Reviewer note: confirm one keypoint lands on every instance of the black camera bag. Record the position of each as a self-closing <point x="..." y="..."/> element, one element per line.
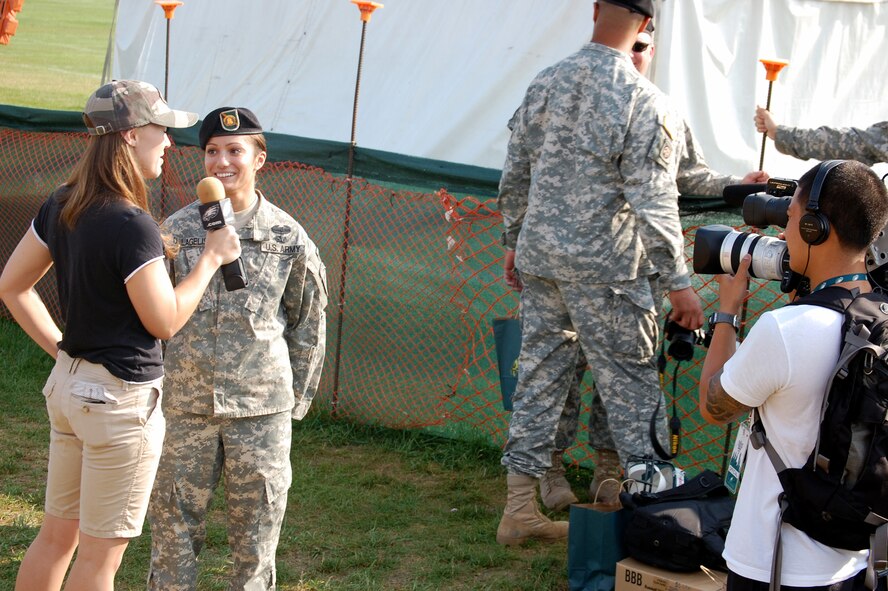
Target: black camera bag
<point x="682" y="528"/>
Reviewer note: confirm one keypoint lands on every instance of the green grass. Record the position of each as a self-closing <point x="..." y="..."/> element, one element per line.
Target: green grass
<point x="370" y="508"/>
<point x="55" y="59"/>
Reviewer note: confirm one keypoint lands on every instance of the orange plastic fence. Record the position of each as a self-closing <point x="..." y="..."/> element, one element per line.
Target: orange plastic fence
<point x="423" y="283"/>
<point x="475" y="228"/>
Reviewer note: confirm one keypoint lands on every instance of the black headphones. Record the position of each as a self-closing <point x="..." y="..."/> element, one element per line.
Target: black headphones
<point x="813" y="226"/>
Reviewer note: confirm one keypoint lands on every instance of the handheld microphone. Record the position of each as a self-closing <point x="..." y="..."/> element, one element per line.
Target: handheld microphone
<point x="216" y="211"/>
<point x="735" y="194"/>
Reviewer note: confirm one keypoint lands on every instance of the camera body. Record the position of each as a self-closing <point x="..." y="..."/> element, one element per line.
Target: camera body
<point x="769" y="208"/>
<point x="682" y="341"/>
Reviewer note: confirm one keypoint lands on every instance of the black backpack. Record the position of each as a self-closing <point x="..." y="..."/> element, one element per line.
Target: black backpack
<point x="840" y="496"/>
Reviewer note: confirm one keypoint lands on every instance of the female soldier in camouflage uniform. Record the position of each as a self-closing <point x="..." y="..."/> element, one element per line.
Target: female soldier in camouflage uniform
<point x="247" y="362"/>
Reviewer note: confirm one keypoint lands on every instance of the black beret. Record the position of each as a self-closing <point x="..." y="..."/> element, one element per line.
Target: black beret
<point x="645" y="7"/>
<point x="228" y="121"/>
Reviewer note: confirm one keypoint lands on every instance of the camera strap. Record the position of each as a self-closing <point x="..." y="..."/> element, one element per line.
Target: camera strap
<point x="675" y="421"/>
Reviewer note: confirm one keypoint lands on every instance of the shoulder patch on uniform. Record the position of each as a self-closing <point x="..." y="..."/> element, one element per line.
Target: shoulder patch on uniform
<point x="666" y="151"/>
<point x="663" y="151"/>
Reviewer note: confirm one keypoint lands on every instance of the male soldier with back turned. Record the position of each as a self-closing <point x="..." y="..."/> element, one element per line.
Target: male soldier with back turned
<point x="694" y="178"/>
<point x="590" y="207"/>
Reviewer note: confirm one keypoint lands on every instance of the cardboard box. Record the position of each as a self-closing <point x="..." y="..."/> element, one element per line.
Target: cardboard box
<point x="633" y="575"/>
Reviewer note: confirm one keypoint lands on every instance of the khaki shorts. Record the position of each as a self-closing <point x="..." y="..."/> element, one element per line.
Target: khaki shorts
<point x="105" y="443"/>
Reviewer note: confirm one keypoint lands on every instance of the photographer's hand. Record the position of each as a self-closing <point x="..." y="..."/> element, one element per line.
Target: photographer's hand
<point x="716" y="405"/>
<point x="513" y="280"/>
<point x="686" y="309"/>
<point x="732" y="289"/>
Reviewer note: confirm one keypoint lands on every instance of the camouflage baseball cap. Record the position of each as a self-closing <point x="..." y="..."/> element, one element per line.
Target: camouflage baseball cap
<point x="124" y="104"/>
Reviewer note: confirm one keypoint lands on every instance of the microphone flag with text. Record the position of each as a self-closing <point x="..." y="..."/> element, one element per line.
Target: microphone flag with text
<point x="216" y="211"/>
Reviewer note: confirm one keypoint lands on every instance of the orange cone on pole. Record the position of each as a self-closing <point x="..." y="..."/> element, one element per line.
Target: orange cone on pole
<point x="772" y="69"/>
<point x="169" y="7"/>
<point x="366" y="7"/>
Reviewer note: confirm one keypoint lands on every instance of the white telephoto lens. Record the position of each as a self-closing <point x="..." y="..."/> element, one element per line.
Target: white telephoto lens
<point x="767" y="254"/>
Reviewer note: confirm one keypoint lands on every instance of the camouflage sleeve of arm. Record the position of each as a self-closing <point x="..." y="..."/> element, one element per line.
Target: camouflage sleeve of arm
<point x="649" y="166"/>
<point x="305" y="300"/>
<point x="694" y="175"/>
<point x="868" y="145"/>
<point x="515" y="181"/>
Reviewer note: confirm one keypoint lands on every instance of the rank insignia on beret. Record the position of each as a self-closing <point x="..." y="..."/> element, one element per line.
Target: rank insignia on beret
<point x="229" y="120"/>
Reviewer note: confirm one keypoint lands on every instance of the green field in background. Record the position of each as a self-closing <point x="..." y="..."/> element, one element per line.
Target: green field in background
<point x="55" y="59"/>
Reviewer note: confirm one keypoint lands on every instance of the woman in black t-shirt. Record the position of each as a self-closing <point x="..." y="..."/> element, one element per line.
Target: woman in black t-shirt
<point x="103" y="395"/>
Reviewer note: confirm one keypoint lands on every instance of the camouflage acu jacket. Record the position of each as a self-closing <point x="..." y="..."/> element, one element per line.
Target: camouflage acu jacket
<point x="257" y="350"/>
<point x="694" y="175"/>
<point x="868" y="145"/>
<point x="588" y="190"/>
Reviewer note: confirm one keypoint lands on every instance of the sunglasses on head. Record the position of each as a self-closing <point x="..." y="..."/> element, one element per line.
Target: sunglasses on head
<point x="640" y="46"/>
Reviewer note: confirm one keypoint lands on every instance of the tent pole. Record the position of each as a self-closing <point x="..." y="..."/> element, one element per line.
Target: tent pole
<point x="765" y="134"/>
<point x="366" y="9"/>
<point x="772" y="69"/>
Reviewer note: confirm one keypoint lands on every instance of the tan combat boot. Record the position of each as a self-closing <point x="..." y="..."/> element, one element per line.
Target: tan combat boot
<point x="554" y="487"/>
<point x="605" y="486"/>
<point x="522" y="519"/>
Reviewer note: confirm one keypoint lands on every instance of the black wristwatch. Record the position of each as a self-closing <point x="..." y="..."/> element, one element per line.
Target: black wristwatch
<point x="726" y="318"/>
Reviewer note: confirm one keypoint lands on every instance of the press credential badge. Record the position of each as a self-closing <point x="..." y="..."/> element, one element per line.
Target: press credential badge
<point x="738" y="455"/>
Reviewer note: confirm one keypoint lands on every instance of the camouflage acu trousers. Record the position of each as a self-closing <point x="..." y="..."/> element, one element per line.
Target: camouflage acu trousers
<point x="599" y="431"/>
<point x="615" y="326"/>
<point x="253" y="453"/>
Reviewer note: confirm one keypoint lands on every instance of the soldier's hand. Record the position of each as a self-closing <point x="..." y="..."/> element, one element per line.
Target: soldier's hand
<point x="756" y="176"/>
<point x="764" y="123"/>
<point x="686" y="309"/>
<point x="513" y="279"/>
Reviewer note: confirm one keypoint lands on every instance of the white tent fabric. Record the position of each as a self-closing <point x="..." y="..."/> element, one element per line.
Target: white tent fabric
<point x="441" y="79"/>
<point x="707" y="61"/>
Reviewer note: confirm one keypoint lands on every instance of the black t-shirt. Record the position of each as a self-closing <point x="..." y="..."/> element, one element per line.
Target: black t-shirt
<point x="93" y="261"/>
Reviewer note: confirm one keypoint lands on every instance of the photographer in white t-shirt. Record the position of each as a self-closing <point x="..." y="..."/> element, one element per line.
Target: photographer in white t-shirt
<point x="782" y="369"/>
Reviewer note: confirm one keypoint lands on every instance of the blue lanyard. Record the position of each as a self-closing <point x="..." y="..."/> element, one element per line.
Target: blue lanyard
<point x="840" y="279"/>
